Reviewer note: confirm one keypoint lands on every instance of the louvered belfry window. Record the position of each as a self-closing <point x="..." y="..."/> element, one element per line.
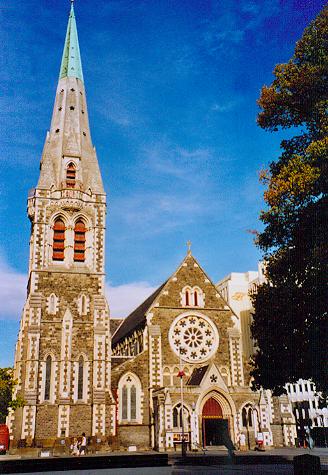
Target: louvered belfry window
<point x="79" y="241"/>
<point x="70" y="175"/>
<point x="59" y="240"/>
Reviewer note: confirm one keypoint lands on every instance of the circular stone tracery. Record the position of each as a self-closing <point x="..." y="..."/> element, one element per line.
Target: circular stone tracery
<point x="193" y="337"/>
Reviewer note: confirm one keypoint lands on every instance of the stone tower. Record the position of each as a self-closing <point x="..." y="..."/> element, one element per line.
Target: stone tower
<point x="62" y="360"/>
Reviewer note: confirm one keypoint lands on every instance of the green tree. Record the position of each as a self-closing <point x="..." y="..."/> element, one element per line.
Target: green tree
<point x="7" y="384"/>
<point x="290" y="310"/>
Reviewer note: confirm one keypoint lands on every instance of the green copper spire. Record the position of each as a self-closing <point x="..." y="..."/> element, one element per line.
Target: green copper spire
<point x="71" y="65"/>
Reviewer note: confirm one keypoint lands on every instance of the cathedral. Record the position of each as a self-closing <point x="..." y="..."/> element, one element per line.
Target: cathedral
<point x="175" y="369"/>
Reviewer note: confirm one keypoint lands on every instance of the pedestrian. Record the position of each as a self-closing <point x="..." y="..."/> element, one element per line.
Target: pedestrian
<point x="75" y="447"/>
<point x="309" y="440"/>
<point x="242" y="442"/>
<point x="83" y="445"/>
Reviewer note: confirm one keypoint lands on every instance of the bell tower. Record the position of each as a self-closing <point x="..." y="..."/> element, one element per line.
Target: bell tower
<point x="62" y="359"/>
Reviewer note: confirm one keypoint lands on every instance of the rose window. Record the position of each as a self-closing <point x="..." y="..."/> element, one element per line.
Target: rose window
<point x="194" y="338"/>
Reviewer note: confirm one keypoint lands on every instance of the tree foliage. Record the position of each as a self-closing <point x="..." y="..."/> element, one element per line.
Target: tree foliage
<point x="290" y="310"/>
<point x="7" y="384"/>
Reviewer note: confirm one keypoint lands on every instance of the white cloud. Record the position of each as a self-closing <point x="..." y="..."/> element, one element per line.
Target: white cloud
<point x="124" y="298"/>
<point x="225" y="106"/>
<point x="12" y="291"/>
<point x="166" y="158"/>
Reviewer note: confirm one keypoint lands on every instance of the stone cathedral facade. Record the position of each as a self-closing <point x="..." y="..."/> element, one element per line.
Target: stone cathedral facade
<point x="121" y="386"/>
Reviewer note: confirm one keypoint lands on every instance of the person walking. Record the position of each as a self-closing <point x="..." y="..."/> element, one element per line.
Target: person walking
<point x="75" y="447"/>
<point x="83" y="445"/>
<point x="242" y="442"/>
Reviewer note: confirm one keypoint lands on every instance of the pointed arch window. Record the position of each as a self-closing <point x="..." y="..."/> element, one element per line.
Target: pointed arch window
<point x="130" y="399"/>
<point x="52" y="308"/>
<point x="124" y="403"/>
<point x="79" y="241"/>
<point x="80" y="379"/>
<point x="70" y="175"/>
<point x="52" y="304"/>
<point x="59" y="240"/>
<point x="196" y="298"/>
<point x="133" y="402"/>
<point x="47" y="385"/>
<point x="187" y="298"/>
<point x="247" y="416"/>
<point x="178" y="414"/>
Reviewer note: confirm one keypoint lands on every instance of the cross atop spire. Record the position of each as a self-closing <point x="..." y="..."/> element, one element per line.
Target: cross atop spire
<point x="71" y="65"/>
<point x="189" y="248"/>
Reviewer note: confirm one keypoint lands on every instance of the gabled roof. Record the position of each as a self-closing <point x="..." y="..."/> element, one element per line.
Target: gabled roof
<point x="197" y="376"/>
<point x="136" y="318"/>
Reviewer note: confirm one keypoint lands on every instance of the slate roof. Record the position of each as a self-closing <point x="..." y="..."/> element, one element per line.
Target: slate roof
<point x="137" y="318"/>
<point x="197" y="376"/>
<point x="114" y="323"/>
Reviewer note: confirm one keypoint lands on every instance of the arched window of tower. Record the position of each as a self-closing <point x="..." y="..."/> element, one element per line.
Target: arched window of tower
<point x="58" y="240"/>
<point x="79" y="241"/>
<point x="70" y="175"/>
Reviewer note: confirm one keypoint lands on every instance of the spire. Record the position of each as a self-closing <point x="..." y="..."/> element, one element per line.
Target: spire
<point x="71" y="65"/>
<point x="68" y="142"/>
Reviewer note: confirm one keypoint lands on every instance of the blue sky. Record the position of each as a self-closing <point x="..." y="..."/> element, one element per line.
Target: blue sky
<point x="171" y="89"/>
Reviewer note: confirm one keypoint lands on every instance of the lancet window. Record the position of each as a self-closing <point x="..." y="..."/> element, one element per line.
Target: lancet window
<point x="47" y="385"/>
<point x="70" y="175"/>
<point x="192" y="297"/>
<point x="79" y="241"/>
<point x="80" y="378"/>
<point x="129" y="398"/>
<point x="246" y="416"/>
<point x="178" y="414"/>
<point x="58" y="247"/>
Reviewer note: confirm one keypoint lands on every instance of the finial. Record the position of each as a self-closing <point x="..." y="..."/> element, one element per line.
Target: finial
<point x="189" y="247"/>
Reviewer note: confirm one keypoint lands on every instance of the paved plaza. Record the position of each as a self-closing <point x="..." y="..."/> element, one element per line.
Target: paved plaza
<point x="276" y="461"/>
<point x="187" y="470"/>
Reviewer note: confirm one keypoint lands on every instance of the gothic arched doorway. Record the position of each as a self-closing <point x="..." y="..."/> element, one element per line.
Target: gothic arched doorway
<point x="214" y="427"/>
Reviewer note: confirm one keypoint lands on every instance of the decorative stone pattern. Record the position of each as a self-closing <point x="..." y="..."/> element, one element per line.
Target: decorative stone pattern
<point x="193" y="337"/>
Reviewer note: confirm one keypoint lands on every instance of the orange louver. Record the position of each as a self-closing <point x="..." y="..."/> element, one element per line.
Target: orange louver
<point x="79" y="241"/>
<point x="59" y="240"/>
<point x="70" y="175"/>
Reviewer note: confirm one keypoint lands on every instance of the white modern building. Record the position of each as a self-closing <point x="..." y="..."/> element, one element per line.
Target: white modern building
<point x="237" y="289"/>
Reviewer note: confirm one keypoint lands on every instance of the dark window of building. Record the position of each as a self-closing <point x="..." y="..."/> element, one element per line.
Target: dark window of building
<point x="187" y="298"/>
<point x="47" y="385"/>
<point x="250" y="421"/>
<point x="244" y="417"/>
<point x="195" y="298"/>
<point x="124" y="403"/>
<point x="133" y="401"/>
<point x="80" y="379"/>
